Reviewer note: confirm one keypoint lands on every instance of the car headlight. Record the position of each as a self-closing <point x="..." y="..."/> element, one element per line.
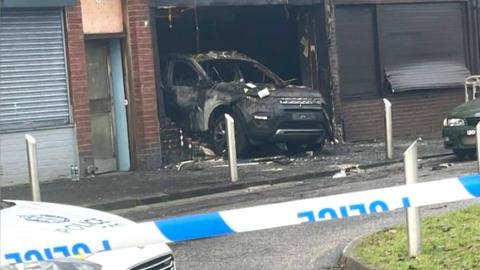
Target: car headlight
<point x="453" y="122"/>
<point x="58" y="264"/>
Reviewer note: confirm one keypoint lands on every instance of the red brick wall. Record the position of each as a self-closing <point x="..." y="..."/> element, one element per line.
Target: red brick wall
<point x="79" y="84"/>
<point x="143" y="91"/>
<point x="419" y="113"/>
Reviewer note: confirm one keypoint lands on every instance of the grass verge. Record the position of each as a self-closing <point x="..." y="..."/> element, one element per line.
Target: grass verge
<point x="449" y="241"/>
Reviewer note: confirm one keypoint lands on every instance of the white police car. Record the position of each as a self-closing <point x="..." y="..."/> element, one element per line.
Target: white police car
<point x="24" y="220"/>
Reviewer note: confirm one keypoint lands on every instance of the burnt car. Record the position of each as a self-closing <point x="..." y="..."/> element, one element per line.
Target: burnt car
<point x="199" y="89"/>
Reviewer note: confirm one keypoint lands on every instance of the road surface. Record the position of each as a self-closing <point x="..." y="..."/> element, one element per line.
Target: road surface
<point x="306" y="246"/>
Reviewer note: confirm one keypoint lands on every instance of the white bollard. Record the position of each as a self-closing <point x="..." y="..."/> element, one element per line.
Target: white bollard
<point x="477" y="135"/>
<point x="232" y="150"/>
<point x="31" y="144"/>
<point x="388" y="129"/>
<point x="413" y="213"/>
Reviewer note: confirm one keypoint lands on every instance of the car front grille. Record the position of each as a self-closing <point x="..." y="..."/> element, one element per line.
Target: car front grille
<point x="159" y="263"/>
<point x="311" y="124"/>
<point x="300" y="100"/>
<point x="472" y="121"/>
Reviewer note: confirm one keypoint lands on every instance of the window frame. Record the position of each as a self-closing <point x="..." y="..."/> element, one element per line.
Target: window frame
<point x="187" y="63"/>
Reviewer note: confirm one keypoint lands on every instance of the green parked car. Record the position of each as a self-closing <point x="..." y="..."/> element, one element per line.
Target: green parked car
<point x="459" y="126"/>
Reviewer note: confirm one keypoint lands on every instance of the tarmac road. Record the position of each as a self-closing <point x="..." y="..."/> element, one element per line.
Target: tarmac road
<point x="307" y="246"/>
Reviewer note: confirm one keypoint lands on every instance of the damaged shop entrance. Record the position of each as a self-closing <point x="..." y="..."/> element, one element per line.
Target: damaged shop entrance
<point x="258" y="63"/>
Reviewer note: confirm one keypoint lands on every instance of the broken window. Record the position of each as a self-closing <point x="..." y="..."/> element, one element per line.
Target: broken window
<point x="422" y="45"/>
<point x="252" y="74"/>
<point x="184" y="75"/>
<point x="221" y="70"/>
<point x="236" y="70"/>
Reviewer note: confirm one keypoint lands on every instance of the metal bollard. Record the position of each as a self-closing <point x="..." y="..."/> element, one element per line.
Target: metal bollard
<point x="413" y="213"/>
<point x="31" y="144"/>
<point x="388" y="129"/>
<point x="232" y="150"/>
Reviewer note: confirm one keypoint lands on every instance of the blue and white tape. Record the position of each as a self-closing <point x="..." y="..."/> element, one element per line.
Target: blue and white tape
<point x="247" y="219"/>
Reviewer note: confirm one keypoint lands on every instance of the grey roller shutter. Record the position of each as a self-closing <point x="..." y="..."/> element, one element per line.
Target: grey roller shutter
<point x="422" y="45"/>
<point x="356" y="41"/>
<point x="33" y="78"/>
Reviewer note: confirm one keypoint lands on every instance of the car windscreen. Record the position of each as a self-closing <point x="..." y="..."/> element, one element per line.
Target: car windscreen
<point x="229" y="70"/>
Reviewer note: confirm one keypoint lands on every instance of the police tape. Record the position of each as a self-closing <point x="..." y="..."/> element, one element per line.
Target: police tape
<point x="244" y="220"/>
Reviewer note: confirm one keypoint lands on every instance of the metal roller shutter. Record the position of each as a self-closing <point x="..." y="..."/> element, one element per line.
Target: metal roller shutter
<point x="33" y="78"/>
<point x="356" y="41"/>
<point x="422" y="45"/>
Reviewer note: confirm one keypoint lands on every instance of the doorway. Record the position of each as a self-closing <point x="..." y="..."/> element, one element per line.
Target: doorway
<point x="107" y="106"/>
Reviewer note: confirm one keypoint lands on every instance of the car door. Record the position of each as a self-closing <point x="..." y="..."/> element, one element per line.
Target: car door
<point x="182" y="93"/>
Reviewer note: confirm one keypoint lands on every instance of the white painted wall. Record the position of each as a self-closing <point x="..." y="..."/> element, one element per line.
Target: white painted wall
<point x="56" y="151"/>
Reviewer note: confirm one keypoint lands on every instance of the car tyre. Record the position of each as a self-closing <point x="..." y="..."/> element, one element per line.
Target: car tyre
<point x="218" y="136"/>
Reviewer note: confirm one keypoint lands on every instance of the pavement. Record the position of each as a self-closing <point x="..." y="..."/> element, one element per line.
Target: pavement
<point x="203" y="177"/>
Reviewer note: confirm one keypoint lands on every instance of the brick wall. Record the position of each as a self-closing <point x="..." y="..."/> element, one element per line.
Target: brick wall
<point x="79" y="84"/>
<point x="419" y="113"/>
<point x="143" y="91"/>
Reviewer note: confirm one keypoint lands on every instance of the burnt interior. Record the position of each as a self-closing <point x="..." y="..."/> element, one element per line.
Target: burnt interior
<point x="269" y="34"/>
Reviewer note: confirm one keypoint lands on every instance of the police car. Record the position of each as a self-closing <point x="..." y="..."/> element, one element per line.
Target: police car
<point x="24" y="220"/>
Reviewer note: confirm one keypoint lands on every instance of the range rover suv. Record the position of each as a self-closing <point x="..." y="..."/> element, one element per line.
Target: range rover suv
<point x="199" y="89"/>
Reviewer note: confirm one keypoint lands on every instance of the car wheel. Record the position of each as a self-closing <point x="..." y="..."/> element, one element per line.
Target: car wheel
<point x="219" y="137"/>
<point x="464" y="154"/>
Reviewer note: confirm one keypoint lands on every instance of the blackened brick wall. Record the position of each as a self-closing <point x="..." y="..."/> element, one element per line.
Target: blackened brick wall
<point x="170" y="141"/>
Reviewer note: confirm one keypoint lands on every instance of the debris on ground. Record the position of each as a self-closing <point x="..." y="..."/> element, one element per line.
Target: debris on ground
<point x="285" y="161"/>
<point x="198" y="165"/>
<point x="210" y="162"/>
<point x="207" y="151"/>
<point x="347" y="169"/>
<point x="183" y="164"/>
<point x="340" y="174"/>
<point x="354" y="169"/>
<point x="441" y="166"/>
<point x="263" y="159"/>
<point x="240" y="164"/>
<point x="273" y="170"/>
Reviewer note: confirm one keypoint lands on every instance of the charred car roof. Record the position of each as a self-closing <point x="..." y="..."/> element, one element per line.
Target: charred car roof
<point x="213" y="55"/>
